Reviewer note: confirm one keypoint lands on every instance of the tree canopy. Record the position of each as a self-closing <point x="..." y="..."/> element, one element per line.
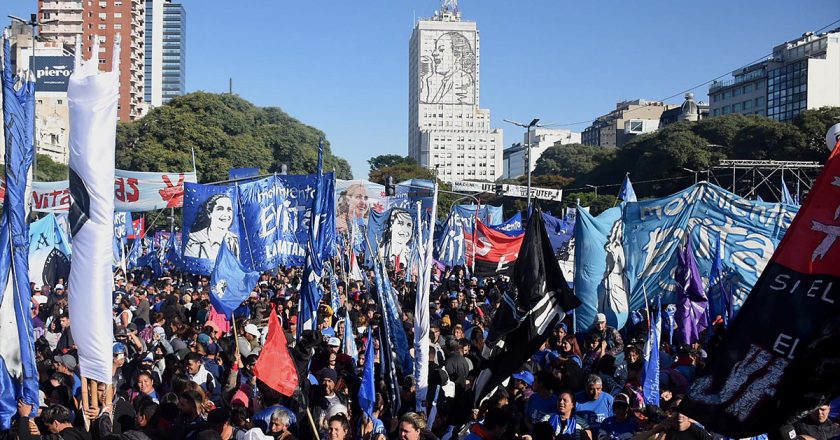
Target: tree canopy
<point x="49" y="171"/>
<point x="661" y="160"/>
<point x="225" y="131"/>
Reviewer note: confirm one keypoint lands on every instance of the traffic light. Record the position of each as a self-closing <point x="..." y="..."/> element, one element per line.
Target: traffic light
<point x="390" y="188"/>
<point x="500" y="190"/>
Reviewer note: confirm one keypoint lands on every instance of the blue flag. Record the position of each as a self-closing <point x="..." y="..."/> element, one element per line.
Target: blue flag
<point x="335" y="301"/>
<point x="718" y="296"/>
<point x="349" y="340"/>
<point x="650" y="387"/>
<point x="627" y="193"/>
<point x="311" y="291"/>
<point x="451" y="246"/>
<point x="393" y="323"/>
<point x="367" y="391"/>
<point x="786" y="197"/>
<point x="230" y="284"/>
<point x="18" y="373"/>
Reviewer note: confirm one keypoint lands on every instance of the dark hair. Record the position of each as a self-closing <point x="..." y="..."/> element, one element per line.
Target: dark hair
<point x="56" y="413"/>
<point x="146" y="407"/>
<point x="546" y="379"/>
<point x="345" y="424"/>
<point x="202" y="218"/>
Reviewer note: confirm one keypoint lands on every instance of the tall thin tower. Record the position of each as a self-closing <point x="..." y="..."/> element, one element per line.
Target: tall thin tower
<point x="447" y="130"/>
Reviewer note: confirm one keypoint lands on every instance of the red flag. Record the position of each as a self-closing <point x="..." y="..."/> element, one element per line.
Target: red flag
<point x="275" y="366"/>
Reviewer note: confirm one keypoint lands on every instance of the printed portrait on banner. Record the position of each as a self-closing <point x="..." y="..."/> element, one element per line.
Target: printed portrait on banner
<point x="352" y="206"/>
<point x="210" y="214"/>
<point x="400" y="230"/>
<point x="211" y="227"/>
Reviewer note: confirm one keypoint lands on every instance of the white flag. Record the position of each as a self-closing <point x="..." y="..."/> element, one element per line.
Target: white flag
<point x="92" y="98"/>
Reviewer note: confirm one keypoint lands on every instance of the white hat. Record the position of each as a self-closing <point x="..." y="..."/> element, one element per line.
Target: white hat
<point x="59" y="286"/>
<point x="334" y="342"/>
<point x="252" y="329"/>
<point x="256" y="434"/>
<point x="600" y="317"/>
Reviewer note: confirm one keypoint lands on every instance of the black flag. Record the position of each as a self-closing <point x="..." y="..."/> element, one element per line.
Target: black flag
<point x="539" y="298"/>
<point x="780" y="359"/>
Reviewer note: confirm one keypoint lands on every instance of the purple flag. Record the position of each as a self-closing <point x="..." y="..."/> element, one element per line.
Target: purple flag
<point x="692" y="301"/>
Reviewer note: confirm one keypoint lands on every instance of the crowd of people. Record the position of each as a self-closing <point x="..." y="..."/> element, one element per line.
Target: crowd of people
<point x="181" y="370"/>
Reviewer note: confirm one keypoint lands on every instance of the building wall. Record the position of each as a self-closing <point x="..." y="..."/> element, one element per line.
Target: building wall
<point x="69" y="14"/>
<point x="824" y="76"/>
<point x="105" y="19"/>
<point x="610" y="130"/>
<point x="448" y="131"/>
<point x="540" y="139"/>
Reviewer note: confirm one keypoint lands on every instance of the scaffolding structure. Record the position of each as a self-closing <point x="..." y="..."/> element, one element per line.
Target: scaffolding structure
<point x="749" y="177"/>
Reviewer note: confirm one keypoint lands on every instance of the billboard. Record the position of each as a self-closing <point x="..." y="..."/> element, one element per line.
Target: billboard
<point x="52" y="73"/>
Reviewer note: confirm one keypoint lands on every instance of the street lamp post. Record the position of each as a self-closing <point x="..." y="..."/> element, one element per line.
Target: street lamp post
<point x="34" y="24"/>
<point x="594" y="188"/>
<point x="692" y="171"/>
<point x="528" y="128"/>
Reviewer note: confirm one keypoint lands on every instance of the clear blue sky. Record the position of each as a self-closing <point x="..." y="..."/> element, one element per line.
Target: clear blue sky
<point x="342" y="66"/>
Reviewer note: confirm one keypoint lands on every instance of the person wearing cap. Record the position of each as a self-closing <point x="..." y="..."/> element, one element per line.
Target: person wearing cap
<point x="327" y="396"/>
<point x="609" y="338"/>
<point x="65" y="364"/>
<point x="622" y="424"/>
<point x="519" y="389"/>
<point x="249" y="341"/>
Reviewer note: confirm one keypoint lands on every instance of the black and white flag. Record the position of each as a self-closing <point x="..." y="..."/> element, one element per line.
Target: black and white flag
<point x="539" y="298"/>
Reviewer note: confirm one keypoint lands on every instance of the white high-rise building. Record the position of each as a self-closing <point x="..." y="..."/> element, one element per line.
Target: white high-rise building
<point x="447" y="131"/>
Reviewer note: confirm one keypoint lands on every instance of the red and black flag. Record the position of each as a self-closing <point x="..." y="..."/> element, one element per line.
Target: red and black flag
<point x="780" y="359"/>
<point x="494" y="251"/>
<point x="538" y="299"/>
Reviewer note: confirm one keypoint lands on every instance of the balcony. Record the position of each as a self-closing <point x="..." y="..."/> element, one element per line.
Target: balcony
<point x="62" y="6"/>
<point x="717" y="85"/>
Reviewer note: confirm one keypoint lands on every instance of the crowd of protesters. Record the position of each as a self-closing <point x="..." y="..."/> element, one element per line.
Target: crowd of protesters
<point x="180" y="370"/>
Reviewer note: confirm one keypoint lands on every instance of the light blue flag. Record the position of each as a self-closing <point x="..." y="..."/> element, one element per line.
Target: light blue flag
<point x="451" y="246"/>
<point x="349" y="340"/>
<point x="650" y="387"/>
<point x="367" y="391"/>
<point x="335" y="302"/>
<point x="121" y="220"/>
<point x="230" y="284"/>
<point x="786" y="197"/>
<point x="627" y="193"/>
<point x="18" y="372"/>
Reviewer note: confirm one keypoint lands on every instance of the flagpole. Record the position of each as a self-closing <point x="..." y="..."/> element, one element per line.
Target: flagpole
<point x="235" y="333"/>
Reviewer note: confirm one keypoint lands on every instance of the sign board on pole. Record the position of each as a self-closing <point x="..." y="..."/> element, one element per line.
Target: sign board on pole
<point x="554" y="195"/>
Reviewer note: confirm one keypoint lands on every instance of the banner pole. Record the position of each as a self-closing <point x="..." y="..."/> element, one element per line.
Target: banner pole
<point x="235" y="333"/>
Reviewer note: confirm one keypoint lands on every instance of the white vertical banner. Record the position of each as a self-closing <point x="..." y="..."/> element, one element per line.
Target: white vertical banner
<point x="92" y="98"/>
<point x="421" y="306"/>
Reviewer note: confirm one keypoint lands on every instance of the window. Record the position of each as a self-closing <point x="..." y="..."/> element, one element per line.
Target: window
<point x="102" y="27"/>
<point x="103" y="4"/>
<point x="103" y="16"/>
<point x="117" y="14"/>
<point x="117" y="26"/>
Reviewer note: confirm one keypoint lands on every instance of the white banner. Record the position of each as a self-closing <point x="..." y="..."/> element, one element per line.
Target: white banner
<point x="134" y="191"/>
<point x="92" y="99"/>
<point x="554" y="195"/>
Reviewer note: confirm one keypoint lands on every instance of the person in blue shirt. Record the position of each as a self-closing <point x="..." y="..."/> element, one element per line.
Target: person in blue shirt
<point x="594" y="405"/>
<point x="623" y="425"/>
<point x="566" y="423"/>
<point x="543" y="402"/>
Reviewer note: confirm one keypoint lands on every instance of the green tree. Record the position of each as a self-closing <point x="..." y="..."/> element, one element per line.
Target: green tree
<point x="389" y="160"/>
<point x="571" y="160"/>
<point x="769" y="140"/>
<point x="224" y="131"/>
<point x="48" y="170"/>
<point x="813" y="124"/>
